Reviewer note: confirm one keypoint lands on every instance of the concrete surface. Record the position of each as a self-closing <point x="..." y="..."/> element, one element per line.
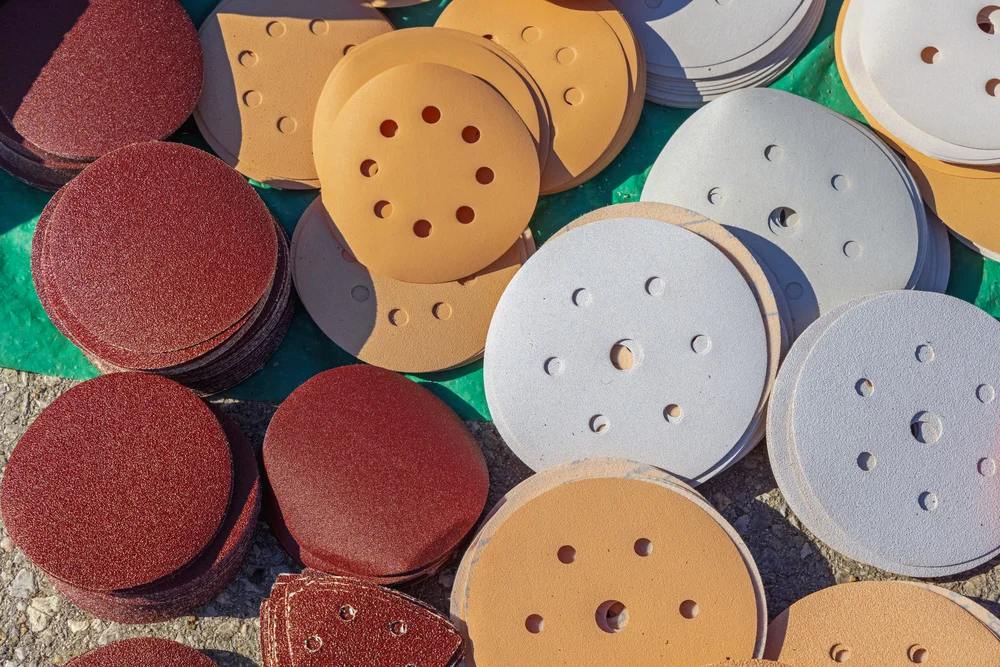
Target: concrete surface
<point x="38" y="627"/>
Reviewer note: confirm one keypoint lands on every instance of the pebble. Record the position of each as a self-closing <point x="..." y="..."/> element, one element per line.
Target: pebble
<point x="7" y="544"/>
<point x="76" y="625"/>
<point x="37" y="620"/>
<point x="23" y="585"/>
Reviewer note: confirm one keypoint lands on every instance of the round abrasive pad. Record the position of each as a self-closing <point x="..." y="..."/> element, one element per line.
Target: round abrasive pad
<point x="158" y="247"/>
<point x="906" y="380"/>
<point x="404" y="474"/>
<point x="81" y="79"/>
<point x="260" y="118"/>
<point x="406" y="327"/>
<point x="429" y="173"/>
<point x="607" y="562"/>
<point x="663" y="360"/>
<point x="577" y="60"/>
<point x="145" y="652"/>
<point x="119" y="482"/>
<point x="886" y="623"/>
<point x="833" y="220"/>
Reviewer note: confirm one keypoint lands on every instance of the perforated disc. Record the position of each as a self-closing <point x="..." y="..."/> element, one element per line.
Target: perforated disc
<point x="602" y="562"/>
<point x="886" y="623"/>
<point x="417" y="194"/>
<point x="820" y="203"/>
<point x="677" y="318"/>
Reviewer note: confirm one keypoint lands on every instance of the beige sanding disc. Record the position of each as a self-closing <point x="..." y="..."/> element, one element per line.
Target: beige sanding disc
<point x="882" y="624"/>
<point x="607" y="562"/>
<point x="469" y="53"/>
<point x="405" y="327"/>
<point x="256" y="116"/>
<point x="578" y="61"/>
<point x="430" y="174"/>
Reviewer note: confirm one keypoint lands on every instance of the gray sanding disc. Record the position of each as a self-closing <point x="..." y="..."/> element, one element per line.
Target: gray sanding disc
<point x="627" y="338"/>
<point x="817" y="201"/>
<point x="906" y="381"/>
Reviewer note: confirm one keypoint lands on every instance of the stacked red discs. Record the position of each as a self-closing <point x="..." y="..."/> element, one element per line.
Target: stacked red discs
<point x="161" y="258"/>
<point x="143" y="652"/>
<point x="371" y="476"/>
<point x="136" y="499"/>
<point x="80" y="79"/>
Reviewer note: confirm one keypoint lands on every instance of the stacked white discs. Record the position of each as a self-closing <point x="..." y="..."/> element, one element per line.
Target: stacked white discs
<point x="633" y="337"/>
<point x="929" y="77"/>
<point x="883" y="432"/>
<point x="827" y="206"/>
<point x="697" y="51"/>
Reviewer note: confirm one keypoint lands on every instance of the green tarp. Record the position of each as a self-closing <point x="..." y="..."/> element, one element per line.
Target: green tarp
<point x="29" y="341"/>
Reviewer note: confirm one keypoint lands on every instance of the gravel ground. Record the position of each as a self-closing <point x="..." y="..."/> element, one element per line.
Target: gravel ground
<point x="38" y="627"/>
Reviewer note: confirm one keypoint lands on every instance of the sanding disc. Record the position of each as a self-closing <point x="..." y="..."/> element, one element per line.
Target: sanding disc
<point x="607" y="562"/>
<point x="404" y="473"/>
<point x="405" y="327"/>
<point x="119" y="482"/>
<point x="577" y="59"/>
<point x="934" y="482"/>
<point x="145" y="651"/>
<point x="416" y="193"/>
<point x="885" y="623"/>
<point x="833" y="220"/>
<point x="256" y="116"/>
<point x="315" y="620"/>
<point x="82" y="79"/>
<point x="158" y="247"/>
<point x="749" y="663"/>
<point x="470" y="53"/>
<point x="636" y="362"/>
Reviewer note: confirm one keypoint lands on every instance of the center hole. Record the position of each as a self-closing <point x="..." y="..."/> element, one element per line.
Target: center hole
<point x="784" y="217"/>
<point x="612" y="616"/>
<point x="926" y="427"/>
<point x="623" y="355"/>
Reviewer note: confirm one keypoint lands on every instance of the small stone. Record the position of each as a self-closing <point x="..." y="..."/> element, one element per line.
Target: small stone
<point x="23" y="585"/>
<point x="722" y="501"/>
<point x="77" y="625"/>
<point x="805" y="552"/>
<point x="48" y="605"/>
<point x="37" y="620"/>
<point x="742" y="524"/>
<point x="447" y="579"/>
<point x="7" y="544"/>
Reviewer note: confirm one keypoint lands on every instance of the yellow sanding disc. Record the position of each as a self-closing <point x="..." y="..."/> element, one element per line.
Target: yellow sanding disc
<point x="429" y="173"/>
<point x="252" y="113"/>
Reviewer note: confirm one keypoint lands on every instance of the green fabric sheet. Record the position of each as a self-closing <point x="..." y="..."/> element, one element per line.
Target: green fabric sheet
<point x="29" y="341"/>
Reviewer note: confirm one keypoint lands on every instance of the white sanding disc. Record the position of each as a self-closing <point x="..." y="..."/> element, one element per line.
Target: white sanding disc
<point x="666" y="306"/>
<point x="818" y="202"/>
<point x="906" y="381"/>
<point x="938" y="67"/>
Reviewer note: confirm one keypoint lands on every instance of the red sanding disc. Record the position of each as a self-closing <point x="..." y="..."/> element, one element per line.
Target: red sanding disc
<point x="143" y="652"/>
<point x="158" y="247"/>
<point x="372" y="472"/>
<point x="121" y="481"/>
<point x="80" y="79"/>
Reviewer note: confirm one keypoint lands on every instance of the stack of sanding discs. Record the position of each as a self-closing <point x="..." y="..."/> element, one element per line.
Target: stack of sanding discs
<point x="882" y="433"/>
<point x="161" y="258"/>
<point x="405" y="327"/>
<point x="81" y="79"/>
<point x="135" y="498"/>
<point x="927" y="82"/>
<point x="588" y="64"/>
<point x="667" y="358"/>
<point x="607" y="562"/>
<point x="698" y="51"/>
<point x="143" y="652"/>
<point x="371" y="475"/>
<point x="318" y="619"/>
<point x="266" y="62"/>
<point x="818" y="198"/>
<point x="885" y="623"/>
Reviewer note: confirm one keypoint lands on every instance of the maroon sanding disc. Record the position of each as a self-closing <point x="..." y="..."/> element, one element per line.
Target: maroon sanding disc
<point x="158" y="247"/>
<point x="121" y="481"/>
<point x="82" y="78"/>
<point x="143" y="652"/>
<point x="372" y="472"/>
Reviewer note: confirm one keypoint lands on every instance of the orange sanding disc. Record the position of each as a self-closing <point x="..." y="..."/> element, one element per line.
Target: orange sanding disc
<point x="253" y="114"/>
<point x="405" y="327"/>
<point x="749" y="663"/>
<point x="578" y="61"/>
<point x="885" y="624"/>
<point x="607" y="562"/>
<point x="430" y="174"/>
